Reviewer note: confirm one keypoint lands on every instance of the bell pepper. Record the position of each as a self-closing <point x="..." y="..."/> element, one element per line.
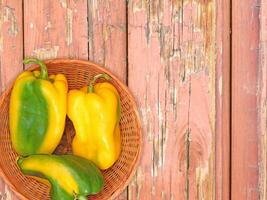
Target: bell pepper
<point x="71" y="177"/>
<point x="95" y="113"/>
<point x="37" y="112"/>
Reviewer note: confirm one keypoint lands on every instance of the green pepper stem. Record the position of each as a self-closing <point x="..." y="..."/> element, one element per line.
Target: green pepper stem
<point x="90" y="88"/>
<point x="80" y="197"/>
<point x="44" y="73"/>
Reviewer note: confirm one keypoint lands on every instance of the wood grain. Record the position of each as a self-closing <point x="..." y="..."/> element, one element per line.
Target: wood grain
<point x="172" y="75"/>
<point x="55" y="28"/>
<point x="11" y="41"/>
<point x="223" y="90"/>
<point x="262" y="103"/>
<point x="107" y="34"/>
<point x="245" y="108"/>
<point x="11" y="54"/>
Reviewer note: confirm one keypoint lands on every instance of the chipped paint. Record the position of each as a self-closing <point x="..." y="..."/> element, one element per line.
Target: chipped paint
<point x="137" y="183"/>
<point x="68" y="21"/>
<point x="93" y="6"/>
<point x="6" y="193"/>
<point x="9" y="16"/>
<point x="69" y="25"/>
<point x="145" y="115"/>
<point x="46" y="53"/>
<point x="48" y="26"/>
<point x="195" y="55"/>
<point x="106" y="32"/>
<point x="160" y="144"/>
<point x="140" y="6"/>
<point x="202" y="173"/>
<point x="155" y="157"/>
<point x="174" y="101"/>
<point x="188" y="140"/>
<point x="122" y="27"/>
<point x="146" y="111"/>
<point x="160" y="115"/>
<point x="31" y="25"/>
<point x="178" y="41"/>
<point x="220" y="86"/>
<point x="3" y="196"/>
<point x="163" y="195"/>
<point x="63" y="3"/>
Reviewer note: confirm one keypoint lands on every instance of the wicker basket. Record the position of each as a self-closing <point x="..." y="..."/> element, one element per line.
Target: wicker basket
<point x="117" y="177"/>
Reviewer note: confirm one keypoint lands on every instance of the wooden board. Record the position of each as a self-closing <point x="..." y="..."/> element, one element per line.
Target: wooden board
<point x="262" y="103"/>
<point x="245" y="91"/>
<point x="107" y="35"/>
<point x="172" y="75"/>
<point x="11" y="41"/>
<point x="223" y="90"/>
<point x="55" y="29"/>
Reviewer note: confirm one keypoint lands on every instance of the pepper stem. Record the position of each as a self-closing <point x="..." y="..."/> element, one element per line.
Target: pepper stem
<point x="44" y="73"/>
<point x="79" y="197"/>
<point x="82" y="197"/>
<point x="90" y="88"/>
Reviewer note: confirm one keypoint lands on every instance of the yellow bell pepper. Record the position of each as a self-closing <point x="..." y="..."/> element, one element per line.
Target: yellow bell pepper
<point x="95" y="113"/>
<point x="71" y="177"/>
<point x="37" y="111"/>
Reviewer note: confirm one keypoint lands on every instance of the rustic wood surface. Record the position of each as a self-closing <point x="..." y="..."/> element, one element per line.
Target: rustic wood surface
<point x="223" y="89"/>
<point x="246" y="93"/>
<point x="249" y="100"/>
<point x="171" y="51"/>
<point x="175" y="57"/>
<point x="262" y="103"/>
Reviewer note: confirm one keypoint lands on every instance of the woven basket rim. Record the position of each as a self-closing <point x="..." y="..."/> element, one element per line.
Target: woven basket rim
<point x="122" y="85"/>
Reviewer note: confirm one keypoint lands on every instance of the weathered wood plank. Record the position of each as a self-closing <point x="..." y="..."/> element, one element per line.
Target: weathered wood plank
<point x="11" y="54"/>
<point x="107" y="38"/>
<point x="55" y="28"/>
<point x="172" y="75"/>
<point x="223" y="100"/>
<point x="11" y="35"/>
<point x="262" y="102"/>
<point x="107" y="35"/>
<point x="245" y="107"/>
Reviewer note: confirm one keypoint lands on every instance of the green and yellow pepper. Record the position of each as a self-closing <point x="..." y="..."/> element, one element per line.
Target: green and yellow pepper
<point x="95" y="113"/>
<point x="71" y="177"/>
<point x="37" y="110"/>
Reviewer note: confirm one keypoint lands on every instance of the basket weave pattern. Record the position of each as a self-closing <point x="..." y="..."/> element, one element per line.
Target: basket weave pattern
<point x="117" y="177"/>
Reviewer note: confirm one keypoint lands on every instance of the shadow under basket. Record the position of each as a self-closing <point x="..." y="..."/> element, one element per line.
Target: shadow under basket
<point x="78" y="73"/>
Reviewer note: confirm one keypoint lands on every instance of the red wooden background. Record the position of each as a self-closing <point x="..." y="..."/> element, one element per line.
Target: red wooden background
<point x="249" y="71"/>
<point x="201" y="91"/>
